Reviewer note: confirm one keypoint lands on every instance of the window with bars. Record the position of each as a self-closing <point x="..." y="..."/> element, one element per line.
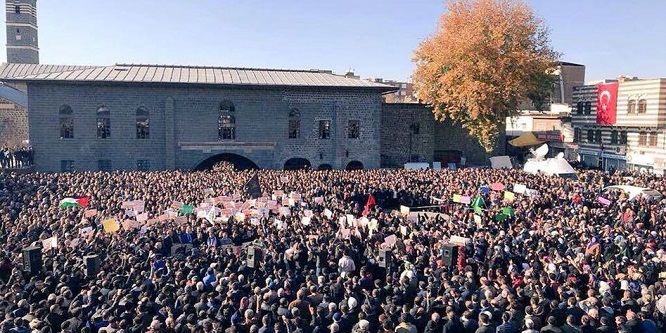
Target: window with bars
<point x="590" y="136"/>
<point x="227" y="127"/>
<point x="294" y="124"/>
<point x="579" y="108"/>
<point x="103" y="122"/>
<point x="588" y="108"/>
<point x="324" y="129"/>
<point x="142" y="123"/>
<point x="353" y="129"/>
<point x="623" y="137"/>
<point x="66" y="122"/>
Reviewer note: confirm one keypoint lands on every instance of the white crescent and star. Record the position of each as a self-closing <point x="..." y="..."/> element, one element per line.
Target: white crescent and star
<point x="604" y="103"/>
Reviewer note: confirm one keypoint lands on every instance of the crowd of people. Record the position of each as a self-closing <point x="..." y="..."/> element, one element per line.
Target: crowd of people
<point x="555" y="259"/>
<point x="16" y="157"/>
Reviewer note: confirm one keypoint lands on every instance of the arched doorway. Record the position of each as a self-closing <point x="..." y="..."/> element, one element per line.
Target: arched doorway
<point x="354" y="165"/>
<point x="297" y="163"/>
<point x="325" y="167"/>
<point x="239" y="162"/>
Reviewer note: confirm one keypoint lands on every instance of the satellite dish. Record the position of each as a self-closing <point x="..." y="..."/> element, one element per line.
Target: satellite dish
<point x="560" y="156"/>
<point x="541" y="151"/>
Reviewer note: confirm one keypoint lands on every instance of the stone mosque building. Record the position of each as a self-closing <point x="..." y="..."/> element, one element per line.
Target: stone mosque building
<point x="157" y="117"/>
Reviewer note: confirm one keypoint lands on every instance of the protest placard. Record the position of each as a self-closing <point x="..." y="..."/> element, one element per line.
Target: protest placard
<point x="142" y="217"/>
<point x="90" y="213"/>
<point x="390" y="240"/>
<point x="285" y="211"/>
<point x="519" y="188"/>
<point x="110" y="225"/>
<point x="404" y="210"/>
<point x="50" y="243"/>
<point x="85" y="232"/>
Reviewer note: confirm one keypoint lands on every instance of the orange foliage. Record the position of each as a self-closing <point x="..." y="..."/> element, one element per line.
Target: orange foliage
<point x="481" y="63"/>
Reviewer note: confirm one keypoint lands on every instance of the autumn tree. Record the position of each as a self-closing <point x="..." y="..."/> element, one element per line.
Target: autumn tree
<point x="485" y="58"/>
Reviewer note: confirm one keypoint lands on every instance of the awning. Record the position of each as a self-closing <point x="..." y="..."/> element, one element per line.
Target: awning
<point x="527" y="139"/>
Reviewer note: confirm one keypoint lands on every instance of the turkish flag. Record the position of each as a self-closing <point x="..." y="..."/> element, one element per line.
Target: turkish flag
<point x="607" y="103"/>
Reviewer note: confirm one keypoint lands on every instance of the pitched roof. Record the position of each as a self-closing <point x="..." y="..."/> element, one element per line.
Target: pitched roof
<point x="138" y="73"/>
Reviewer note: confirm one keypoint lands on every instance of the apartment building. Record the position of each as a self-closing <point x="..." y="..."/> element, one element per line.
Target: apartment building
<point x="635" y="138"/>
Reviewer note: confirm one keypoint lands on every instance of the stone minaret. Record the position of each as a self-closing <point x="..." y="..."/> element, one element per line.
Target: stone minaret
<point x="22" y="42"/>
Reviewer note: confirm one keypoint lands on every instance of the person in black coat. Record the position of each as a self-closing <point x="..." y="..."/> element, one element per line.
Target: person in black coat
<point x="484" y="324"/>
<point x="434" y="324"/>
<point x="453" y="323"/>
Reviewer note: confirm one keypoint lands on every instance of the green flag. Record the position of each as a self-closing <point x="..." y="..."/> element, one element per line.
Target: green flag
<point x="478" y="204"/>
<point x="508" y="211"/>
<point x="186" y="210"/>
<point x="500" y="217"/>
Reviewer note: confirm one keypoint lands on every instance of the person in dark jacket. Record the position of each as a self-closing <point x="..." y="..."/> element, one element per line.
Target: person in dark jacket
<point x="434" y="324"/>
<point x="507" y="325"/>
<point x="484" y="324"/>
<point x="453" y="323"/>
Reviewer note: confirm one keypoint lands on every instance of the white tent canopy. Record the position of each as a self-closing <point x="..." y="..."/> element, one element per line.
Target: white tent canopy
<point x="551" y="166"/>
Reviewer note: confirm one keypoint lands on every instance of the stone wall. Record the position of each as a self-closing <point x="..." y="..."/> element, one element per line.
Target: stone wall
<point x="184" y="125"/>
<point x="401" y="143"/>
<point x="13" y="124"/>
<point x="450" y="136"/>
<point x="435" y="139"/>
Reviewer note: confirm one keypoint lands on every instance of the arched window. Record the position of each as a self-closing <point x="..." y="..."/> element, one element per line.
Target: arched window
<point x="66" y="122"/>
<point x="631" y="106"/>
<point x="142" y="123"/>
<point x="642" y="106"/>
<point x="103" y="122"/>
<point x="294" y="124"/>
<point x="227" y="127"/>
<point x="227" y="106"/>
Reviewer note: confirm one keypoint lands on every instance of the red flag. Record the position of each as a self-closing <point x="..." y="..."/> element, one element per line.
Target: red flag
<point x="607" y="103"/>
<point x="82" y="201"/>
<point x="368" y="205"/>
